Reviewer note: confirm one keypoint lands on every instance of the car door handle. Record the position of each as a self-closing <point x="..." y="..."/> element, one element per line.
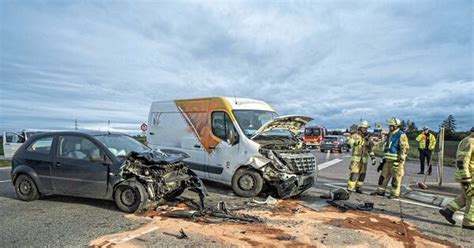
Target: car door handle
<point x="57" y="164"/>
<point x="152" y="133"/>
<point x="197" y="146"/>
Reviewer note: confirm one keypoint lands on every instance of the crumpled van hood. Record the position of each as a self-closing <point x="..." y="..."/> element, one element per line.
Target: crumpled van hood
<point x="293" y="123"/>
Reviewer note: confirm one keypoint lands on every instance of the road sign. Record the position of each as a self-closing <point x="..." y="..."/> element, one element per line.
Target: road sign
<point x="144" y="127"/>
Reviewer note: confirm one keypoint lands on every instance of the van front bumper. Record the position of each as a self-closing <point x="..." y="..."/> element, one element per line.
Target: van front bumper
<point x="294" y="185"/>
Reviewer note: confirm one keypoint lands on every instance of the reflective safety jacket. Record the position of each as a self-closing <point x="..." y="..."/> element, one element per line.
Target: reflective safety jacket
<point x="465" y="159"/>
<point x="361" y="146"/>
<point x="422" y="138"/>
<point x="396" y="146"/>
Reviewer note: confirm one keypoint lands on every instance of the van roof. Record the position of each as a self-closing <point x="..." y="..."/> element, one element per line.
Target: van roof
<point x="234" y="102"/>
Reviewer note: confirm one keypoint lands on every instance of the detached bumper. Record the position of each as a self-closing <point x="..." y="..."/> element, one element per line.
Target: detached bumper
<point x="295" y="185"/>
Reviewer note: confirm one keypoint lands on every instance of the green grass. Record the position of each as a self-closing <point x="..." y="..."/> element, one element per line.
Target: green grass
<point x="5" y="163"/>
<point x="450" y="148"/>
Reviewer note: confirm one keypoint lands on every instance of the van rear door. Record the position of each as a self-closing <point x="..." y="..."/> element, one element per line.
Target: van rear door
<point x="11" y="142"/>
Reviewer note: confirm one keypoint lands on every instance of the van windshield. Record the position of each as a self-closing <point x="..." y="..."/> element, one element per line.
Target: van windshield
<point x="313" y="131"/>
<point x="251" y="120"/>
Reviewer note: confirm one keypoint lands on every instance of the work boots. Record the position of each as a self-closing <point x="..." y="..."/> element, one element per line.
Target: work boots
<point x="377" y="193"/>
<point x="448" y="215"/>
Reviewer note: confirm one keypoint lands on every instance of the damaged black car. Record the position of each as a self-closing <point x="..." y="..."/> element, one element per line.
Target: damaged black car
<point x="101" y="165"/>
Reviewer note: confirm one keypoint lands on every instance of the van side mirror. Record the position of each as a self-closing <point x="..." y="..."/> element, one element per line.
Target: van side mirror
<point x="233" y="138"/>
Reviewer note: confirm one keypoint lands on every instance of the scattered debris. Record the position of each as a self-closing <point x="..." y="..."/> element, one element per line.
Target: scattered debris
<point x="336" y="194"/>
<point x="183" y="235"/>
<point x="344" y="206"/>
<point x="269" y="201"/>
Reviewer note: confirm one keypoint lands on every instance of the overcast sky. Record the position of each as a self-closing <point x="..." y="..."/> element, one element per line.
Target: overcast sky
<point x="336" y="62"/>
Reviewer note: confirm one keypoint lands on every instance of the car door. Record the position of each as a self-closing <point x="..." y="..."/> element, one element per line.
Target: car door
<point x="225" y="154"/>
<point x="75" y="171"/>
<point x="38" y="156"/>
<point x="11" y="142"/>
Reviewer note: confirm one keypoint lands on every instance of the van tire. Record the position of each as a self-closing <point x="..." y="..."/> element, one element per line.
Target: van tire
<point x="26" y="189"/>
<point x="130" y="196"/>
<point x="247" y="182"/>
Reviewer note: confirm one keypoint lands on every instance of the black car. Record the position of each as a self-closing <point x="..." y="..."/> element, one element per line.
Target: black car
<point x="100" y="165"/>
<point x="334" y="143"/>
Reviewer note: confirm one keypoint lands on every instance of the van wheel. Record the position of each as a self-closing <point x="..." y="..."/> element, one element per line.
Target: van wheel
<point x="25" y="188"/>
<point x="130" y="196"/>
<point x="247" y="183"/>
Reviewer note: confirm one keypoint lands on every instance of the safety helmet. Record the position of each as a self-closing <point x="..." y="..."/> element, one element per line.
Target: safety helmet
<point x="394" y="122"/>
<point x="363" y="123"/>
<point x="426" y="128"/>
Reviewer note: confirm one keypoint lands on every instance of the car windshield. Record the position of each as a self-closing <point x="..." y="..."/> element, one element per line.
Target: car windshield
<point x="121" y="145"/>
<point x="251" y="120"/>
<point x="313" y="131"/>
<point x="330" y="138"/>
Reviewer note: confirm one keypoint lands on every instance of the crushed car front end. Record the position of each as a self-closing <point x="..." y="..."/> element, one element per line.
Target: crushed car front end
<point x="163" y="175"/>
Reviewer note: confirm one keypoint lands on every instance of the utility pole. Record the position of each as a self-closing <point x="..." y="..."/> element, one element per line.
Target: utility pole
<point x="108" y="126"/>
<point x="75" y="124"/>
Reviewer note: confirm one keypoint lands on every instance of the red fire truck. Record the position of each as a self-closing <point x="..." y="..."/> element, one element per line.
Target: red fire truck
<point x="313" y="136"/>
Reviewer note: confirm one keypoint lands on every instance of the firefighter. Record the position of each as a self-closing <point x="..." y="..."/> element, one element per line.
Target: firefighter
<point x="426" y="145"/>
<point x="395" y="154"/>
<point x="361" y="150"/>
<point x="464" y="175"/>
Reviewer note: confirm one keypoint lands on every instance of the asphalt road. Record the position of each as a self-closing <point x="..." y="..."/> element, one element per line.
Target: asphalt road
<point x="60" y="221"/>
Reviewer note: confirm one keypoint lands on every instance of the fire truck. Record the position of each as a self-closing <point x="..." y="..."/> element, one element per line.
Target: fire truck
<point x="313" y="136"/>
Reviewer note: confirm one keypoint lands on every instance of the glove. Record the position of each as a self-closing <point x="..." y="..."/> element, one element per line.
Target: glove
<point x="374" y="161"/>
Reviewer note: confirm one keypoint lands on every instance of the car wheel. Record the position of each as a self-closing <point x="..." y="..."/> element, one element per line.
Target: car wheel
<point x="247" y="183"/>
<point x="175" y="193"/>
<point x="130" y="196"/>
<point x="322" y="150"/>
<point x="340" y="150"/>
<point x="26" y="189"/>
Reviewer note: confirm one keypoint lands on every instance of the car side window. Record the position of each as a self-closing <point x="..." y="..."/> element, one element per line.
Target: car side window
<point x="74" y="147"/>
<point x="222" y="125"/>
<point x="42" y="145"/>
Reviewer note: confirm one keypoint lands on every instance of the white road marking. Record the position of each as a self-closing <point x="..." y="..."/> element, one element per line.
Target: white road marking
<point x="6" y="168"/>
<point x="130" y="237"/>
<point x="6" y="181"/>
<point x="329" y="163"/>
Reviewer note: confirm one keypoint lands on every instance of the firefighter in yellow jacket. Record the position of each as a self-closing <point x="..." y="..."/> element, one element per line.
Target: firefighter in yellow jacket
<point x="361" y="150"/>
<point x="426" y="145"/>
<point x="464" y="174"/>
<point x="395" y="154"/>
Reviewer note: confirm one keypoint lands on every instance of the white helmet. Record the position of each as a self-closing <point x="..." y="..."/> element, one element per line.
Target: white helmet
<point x="363" y="124"/>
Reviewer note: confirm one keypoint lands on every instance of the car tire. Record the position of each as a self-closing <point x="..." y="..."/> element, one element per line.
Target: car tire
<point x="26" y="189"/>
<point x="177" y="192"/>
<point x="247" y="182"/>
<point x="322" y="150"/>
<point x="130" y="196"/>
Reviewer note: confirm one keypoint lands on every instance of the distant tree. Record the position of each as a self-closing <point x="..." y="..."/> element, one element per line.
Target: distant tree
<point x="353" y="128"/>
<point x="403" y="125"/>
<point x="449" y="125"/>
<point x="412" y="126"/>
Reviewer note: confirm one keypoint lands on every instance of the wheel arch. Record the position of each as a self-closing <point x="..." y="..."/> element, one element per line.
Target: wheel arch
<point x="26" y="170"/>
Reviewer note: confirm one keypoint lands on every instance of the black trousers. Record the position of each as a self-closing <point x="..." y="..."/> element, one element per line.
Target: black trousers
<point x="425" y="154"/>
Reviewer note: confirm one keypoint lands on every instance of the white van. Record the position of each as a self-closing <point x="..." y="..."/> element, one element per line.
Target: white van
<point x="236" y="141"/>
<point x="13" y="140"/>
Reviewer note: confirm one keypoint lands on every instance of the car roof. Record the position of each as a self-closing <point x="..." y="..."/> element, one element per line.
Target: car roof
<point x="80" y="132"/>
